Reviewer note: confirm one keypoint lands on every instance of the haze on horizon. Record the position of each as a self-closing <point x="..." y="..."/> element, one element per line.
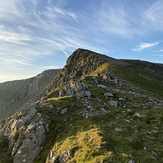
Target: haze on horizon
<point x="37" y="35"/>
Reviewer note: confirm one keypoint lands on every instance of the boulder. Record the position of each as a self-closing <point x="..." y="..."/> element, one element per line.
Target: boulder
<point x="67" y="89"/>
<point x="64" y="111"/>
<point x="73" y="88"/>
<point x="87" y="94"/>
<point x="108" y="95"/>
<point x="31" y="146"/>
<point x="138" y="115"/>
<point x="113" y="103"/>
<point x="103" y="86"/>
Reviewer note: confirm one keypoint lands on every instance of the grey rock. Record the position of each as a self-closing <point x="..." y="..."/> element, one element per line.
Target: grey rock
<point x="155" y="131"/>
<point x="31" y="145"/>
<point x="121" y="99"/>
<point x="154" y="153"/>
<point x="30" y="115"/>
<point x="81" y="94"/>
<point x="108" y="95"/>
<point x="65" y="110"/>
<point x="61" y="93"/>
<point x="118" y="129"/>
<point x="95" y="80"/>
<point x="67" y="90"/>
<point x="138" y="115"/>
<point x="73" y="88"/>
<point x="87" y="94"/>
<point x="103" y="86"/>
<point x="31" y="104"/>
<point x="127" y="121"/>
<point x="30" y="138"/>
<point x="113" y="103"/>
<point x="131" y="161"/>
<point x="51" y="107"/>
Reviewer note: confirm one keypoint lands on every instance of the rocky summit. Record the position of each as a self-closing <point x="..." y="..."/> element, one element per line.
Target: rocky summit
<point x="96" y="109"/>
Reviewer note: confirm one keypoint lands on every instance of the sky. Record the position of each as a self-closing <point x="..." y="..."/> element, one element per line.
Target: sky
<point x="36" y="35"/>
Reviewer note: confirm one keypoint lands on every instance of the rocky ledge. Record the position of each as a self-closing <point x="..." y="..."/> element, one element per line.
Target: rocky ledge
<point x="25" y="132"/>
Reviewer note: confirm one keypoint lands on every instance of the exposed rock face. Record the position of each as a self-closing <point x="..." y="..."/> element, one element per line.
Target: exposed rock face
<point x="14" y="94"/>
<point x="26" y="133"/>
<point x="74" y="88"/>
<point x="80" y="63"/>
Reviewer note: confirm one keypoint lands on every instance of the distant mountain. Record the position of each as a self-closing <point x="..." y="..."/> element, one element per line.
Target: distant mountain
<point x="14" y="94"/>
<point x="95" y="109"/>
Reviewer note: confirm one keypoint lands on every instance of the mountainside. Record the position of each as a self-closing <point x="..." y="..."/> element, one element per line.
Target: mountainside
<point x="14" y="94"/>
<point x="97" y="109"/>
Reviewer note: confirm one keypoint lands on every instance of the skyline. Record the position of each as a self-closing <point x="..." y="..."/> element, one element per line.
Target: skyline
<point x="36" y="35"/>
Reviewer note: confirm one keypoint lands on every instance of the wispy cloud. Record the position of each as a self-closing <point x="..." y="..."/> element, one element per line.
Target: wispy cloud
<point x="64" y="52"/>
<point x="158" y="51"/>
<point x="144" y="46"/>
<point x="153" y="16"/>
<point x="10" y="36"/>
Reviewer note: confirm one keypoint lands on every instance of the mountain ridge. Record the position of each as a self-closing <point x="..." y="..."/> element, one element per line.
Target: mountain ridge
<point x="13" y="94"/>
<point x="97" y="109"/>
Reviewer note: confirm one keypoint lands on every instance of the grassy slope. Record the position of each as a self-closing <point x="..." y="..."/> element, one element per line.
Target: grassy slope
<point x="14" y="94"/>
<point x="135" y="75"/>
<point x="94" y="139"/>
<point x="140" y="77"/>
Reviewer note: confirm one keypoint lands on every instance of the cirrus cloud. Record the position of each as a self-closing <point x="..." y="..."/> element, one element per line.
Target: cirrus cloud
<point x="144" y="46"/>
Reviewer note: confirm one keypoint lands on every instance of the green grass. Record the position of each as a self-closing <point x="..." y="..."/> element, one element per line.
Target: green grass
<point x="72" y="131"/>
<point x="139" y="77"/>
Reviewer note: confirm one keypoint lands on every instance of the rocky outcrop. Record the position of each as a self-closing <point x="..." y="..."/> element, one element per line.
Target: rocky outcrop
<point x="26" y="133"/>
<point x="14" y="94"/>
<point x="114" y="80"/>
<point x="74" y="88"/>
<point x="82" y="62"/>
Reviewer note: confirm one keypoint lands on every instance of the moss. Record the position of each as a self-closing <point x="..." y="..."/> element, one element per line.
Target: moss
<point x="5" y="154"/>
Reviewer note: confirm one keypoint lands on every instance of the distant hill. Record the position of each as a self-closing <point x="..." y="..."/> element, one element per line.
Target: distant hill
<point x="14" y="94"/>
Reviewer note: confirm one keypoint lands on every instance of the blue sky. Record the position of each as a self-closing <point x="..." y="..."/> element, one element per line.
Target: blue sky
<point x="36" y="35"/>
